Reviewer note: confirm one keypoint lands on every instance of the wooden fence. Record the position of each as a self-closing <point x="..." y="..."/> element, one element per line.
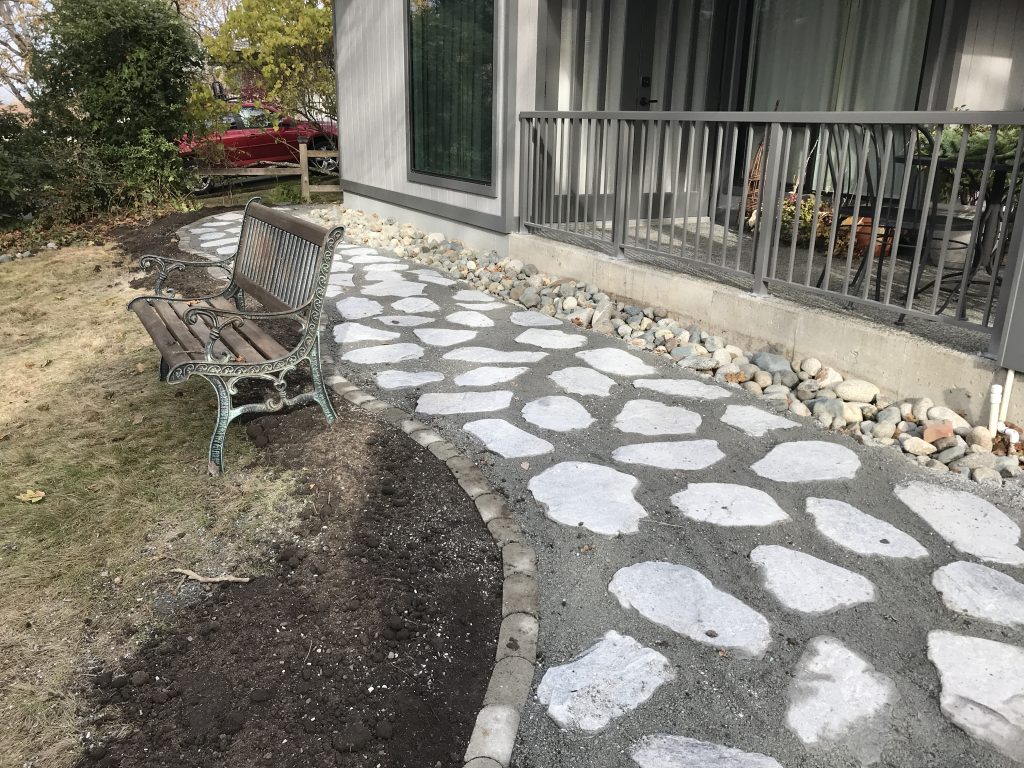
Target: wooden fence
<point x="301" y="170"/>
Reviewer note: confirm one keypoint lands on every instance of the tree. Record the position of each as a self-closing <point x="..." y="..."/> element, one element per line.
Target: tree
<point x="17" y="22"/>
<point x="113" y="70"/>
<point x="289" y="45"/>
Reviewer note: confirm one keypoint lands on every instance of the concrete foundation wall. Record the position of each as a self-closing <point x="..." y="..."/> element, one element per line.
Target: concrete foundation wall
<point x="900" y="364"/>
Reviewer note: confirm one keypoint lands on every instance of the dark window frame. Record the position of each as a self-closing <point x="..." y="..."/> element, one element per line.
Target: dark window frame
<point x="484" y="189"/>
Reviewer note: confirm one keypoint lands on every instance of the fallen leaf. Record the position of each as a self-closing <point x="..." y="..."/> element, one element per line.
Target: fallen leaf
<point x="5" y="436"/>
<point x="525" y="465"/>
<point x="138" y="417"/>
<point x="239" y="359"/>
<point x="30" y="364"/>
<point x="30" y="496"/>
<point x="140" y="367"/>
<point x="45" y="363"/>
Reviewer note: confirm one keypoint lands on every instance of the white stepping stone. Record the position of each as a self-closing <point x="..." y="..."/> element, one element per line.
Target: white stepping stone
<point x="617" y="362"/>
<point x="390" y="353"/>
<point x="683" y="388"/>
<point x="583" y="381"/>
<point x="649" y="417"/>
<point x="472" y="296"/>
<point x="350" y="333"/>
<point x="805" y="584"/>
<point x="859" y="532"/>
<point x="224" y="250"/>
<point x="357" y="250"/>
<point x="487" y="355"/>
<point x="357" y="308"/>
<point x="448" y="403"/>
<point x="982" y="688"/>
<point x="404" y="320"/>
<point x="228" y="242"/>
<point x="483" y="306"/>
<point x="683" y="600"/>
<point x="342" y="280"/>
<point x="597" y="497"/>
<point x="557" y="413"/>
<point x="728" y="505"/>
<point x="665" y="751"/>
<point x="966" y="521"/>
<point x="368" y="256"/>
<point x="533" y="319"/>
<point x="982" y="592"/>
<point x="211" y="234"/>
<point x="548" y="339"/>
<point x="488" y="375"/>
<point x="200" y="230"/>
<point x="680" y="454"/>
<point x="394" y="288"/>
<point x="413" y="305"/>
<point x="754" y="421"/>
<point x="405" y="379"/>
<point x="333" y="291"/>
<point x="233" y="216"/>
<point x="444" y="337"/>
<point x="507" y="440"/>
<point x="340" y="266"/>
<point x="384" y="268"/>
<point x="611" y="678"/>
<point x="470" y="319"/>
<point x="430" y="276"/>
<point x="837" y="696"/>
<point x="805" y="461"/>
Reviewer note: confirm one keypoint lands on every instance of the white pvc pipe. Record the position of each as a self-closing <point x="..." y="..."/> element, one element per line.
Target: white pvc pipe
<point x="1007" y="389"/>
<point x="995" y="397"/>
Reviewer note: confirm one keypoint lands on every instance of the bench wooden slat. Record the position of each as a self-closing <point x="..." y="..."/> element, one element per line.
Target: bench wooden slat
<point x="162" y="338"/>
<point x="200" y="329"/>
<point x="252" y="334"/>
<point x="181" y="332"/>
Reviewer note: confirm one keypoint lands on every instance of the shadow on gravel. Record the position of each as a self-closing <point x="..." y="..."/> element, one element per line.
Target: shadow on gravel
<point x="370" y="644"/>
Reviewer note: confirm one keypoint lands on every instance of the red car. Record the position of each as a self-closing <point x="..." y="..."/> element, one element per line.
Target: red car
<point x="256" y="134"/>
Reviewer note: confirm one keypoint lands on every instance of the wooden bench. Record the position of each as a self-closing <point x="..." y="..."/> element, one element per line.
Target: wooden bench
<point x="283" y="263"/>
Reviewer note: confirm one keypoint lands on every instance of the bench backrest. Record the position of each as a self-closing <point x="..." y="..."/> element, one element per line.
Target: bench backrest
<point x="281" y="259"/>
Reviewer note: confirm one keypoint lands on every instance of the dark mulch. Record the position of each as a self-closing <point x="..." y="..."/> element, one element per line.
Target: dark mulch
<point x="369" y="644"/>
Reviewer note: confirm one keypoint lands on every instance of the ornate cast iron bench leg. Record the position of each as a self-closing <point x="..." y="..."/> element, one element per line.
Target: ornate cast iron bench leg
<point x="319" y="389"/>
<point x="224" y="417"/>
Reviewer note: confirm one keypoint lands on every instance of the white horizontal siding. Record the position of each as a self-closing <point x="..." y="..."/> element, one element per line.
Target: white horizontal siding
<point x="991" y="64"/>
<point x="373" y="130"/>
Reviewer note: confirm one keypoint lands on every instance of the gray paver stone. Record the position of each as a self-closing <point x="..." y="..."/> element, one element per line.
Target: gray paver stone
<point x="443" y="450"/>
<point x="519" y="595"/>
<point x="482" y="762"/>
<point x="358" y="397"/>
<point x="519" y="558"/>
<point x="473" y="482"/>
<point x="409" y="426"/>
<point x="505" y="531"/>
<point x="425" y="437"/>
<point x="460" y="462"/>
<point x="490" y="506"/>
<point x="494" y="734"/>
<point x="375" y="406"/>
<point x="518" y="637"/>
<point x="510" y="682"/>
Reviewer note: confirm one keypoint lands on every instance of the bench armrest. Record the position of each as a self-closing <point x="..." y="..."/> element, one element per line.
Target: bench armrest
<point x="166" y="264"/>
<point x="218" y="319"/>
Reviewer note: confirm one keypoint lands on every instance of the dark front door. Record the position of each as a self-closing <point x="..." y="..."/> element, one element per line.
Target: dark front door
<point x="638" y="55"/>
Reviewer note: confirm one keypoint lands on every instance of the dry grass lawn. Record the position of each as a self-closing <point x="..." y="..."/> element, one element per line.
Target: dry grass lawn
<point x="122" y="460"/>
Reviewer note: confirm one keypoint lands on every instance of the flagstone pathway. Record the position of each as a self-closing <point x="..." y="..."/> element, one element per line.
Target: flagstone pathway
<point x="721" y="586"/>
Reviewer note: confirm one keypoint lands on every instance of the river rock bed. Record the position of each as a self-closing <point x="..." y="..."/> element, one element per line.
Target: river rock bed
<point x="932" y="435"/>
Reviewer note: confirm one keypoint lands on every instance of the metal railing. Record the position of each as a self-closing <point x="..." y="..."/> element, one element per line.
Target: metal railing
<point x="910" y="212"/>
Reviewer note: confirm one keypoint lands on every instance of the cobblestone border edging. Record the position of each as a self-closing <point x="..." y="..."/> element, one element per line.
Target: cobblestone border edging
<point x="494" y="735"/>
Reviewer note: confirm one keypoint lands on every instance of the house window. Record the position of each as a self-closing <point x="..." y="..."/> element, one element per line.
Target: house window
<point x="451" y="93"/>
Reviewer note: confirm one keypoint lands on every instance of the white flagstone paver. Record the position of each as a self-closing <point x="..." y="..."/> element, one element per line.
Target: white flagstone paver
<point x="982" y="592"/>
<point x="583" y="381"/>
<point x="404" y="320"/>
<point x="507" y="440"/>
<point x="488" y="375"/>
<point x="394" y="288"/>
<point x="470" y="319"/>
<point x="683" y="388"/>
<point x="430" y="276"/>
<point x="389" y="353"/>
<point x="415" y="304"/>
<point x="333" y="291"/>
<point x="649" y="417"/>
<point x="349" y="333"/>
<point x="837" y="696"/>
<point x="341" y="279"/>
<point x="685" y="601"/>
<point x="533" y="319"/>
<point x="557" y="413"/>
<point x="370" y="269"/>
<point x="982" y="688"/>
<point x="754" y="421"/>
<point x="357" y="250"/>
<point x="444" y="337"/>
<point x="612" y="677"/>
<point x="968" y="522"/>
<point x="405" y="379"/>
<point x="666" y="751"/>
<point x="676" y="454"/>
<point x="548" y="339"/>
<point x="806" y="584"/>
<point x="447" y="403"/>
<point x="356" y="308"/>
<point x="729" y="505"/>
<point x="225" y="250"/>
<point x="488" y="355"/>
<point x="808" y="461"/>
<point x="617" y="362"/>
<point x="340" y="266"/>
<point x="597" y="497"/>
<point x="471" y="296"/>
<point x="859" y="532"/>
<point x="483" y="306"/>
<point x="370" y="256"/>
